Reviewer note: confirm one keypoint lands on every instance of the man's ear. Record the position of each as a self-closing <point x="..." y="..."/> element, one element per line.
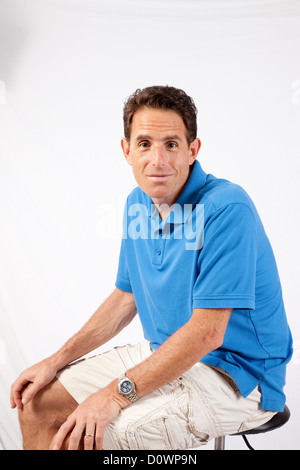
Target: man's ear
<point x="194" y="150"/>
<point x="126" y="150"/>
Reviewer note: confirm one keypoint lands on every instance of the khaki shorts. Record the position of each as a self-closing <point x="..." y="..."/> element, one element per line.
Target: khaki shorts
<point x="202" y="404"/>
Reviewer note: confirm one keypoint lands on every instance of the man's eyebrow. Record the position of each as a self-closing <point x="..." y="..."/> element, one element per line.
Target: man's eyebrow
<point x="143" y="137"/>
<point x="173" y="137"/>
<point x="149" y="137"/>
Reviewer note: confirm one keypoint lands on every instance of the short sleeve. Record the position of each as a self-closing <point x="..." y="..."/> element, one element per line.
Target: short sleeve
<point x="123" y="280"/>
<point x="227" y="261"/>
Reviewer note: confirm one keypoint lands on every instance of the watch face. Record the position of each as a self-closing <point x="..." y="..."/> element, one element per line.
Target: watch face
<point x="126" y="386"/>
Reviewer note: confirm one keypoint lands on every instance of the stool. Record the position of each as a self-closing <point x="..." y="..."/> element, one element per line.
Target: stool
<point x="276" y="422"/>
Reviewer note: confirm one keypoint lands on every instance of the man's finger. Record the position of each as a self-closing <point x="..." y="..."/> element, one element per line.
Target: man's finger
<point x="30" y="392"/>
<point x="89" y="441"/>
<point x="15" y="393"/>
<point x="16" y="401"/>
<point x="76" y="435"/>
<point x="89" y="435"/>
<point x="61" y="434"/>
<point x="99" y="438"/>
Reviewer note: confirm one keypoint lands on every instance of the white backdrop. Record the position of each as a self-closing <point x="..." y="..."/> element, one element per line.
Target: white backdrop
<point x="66" y="67"/>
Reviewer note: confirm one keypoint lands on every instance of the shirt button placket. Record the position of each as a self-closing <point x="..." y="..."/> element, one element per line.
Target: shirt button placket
<point x="158" y="251"/>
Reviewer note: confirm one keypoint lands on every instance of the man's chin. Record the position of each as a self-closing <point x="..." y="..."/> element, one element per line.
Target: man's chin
<point x="158" y="195"/>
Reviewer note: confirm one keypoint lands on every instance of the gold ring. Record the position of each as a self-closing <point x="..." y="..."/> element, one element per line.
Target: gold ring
<point x="89" y="435"/>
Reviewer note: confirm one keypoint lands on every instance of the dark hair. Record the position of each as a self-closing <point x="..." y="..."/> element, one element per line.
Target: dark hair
<point x="162" y="97"/>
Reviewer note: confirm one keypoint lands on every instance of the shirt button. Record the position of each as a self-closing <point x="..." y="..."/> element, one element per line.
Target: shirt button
<point x="158" y="252"/>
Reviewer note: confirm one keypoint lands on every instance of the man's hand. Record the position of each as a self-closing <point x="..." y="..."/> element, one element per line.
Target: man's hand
<point x="89" y="421"/>
<point x="111" y="317"/>
<point x="30" y="382"/>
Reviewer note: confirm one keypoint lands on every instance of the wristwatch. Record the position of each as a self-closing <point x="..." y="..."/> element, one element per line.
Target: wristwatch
<point x="127" y="388"/>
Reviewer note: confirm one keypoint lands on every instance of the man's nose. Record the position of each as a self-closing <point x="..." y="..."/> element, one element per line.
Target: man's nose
<point x="158" y="157"/>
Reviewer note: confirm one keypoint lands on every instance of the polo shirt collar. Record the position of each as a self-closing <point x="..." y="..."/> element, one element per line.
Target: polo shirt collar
<point x="189" y="196"/>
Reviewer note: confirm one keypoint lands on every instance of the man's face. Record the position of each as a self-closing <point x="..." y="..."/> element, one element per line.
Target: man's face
<point x="159" y="153"/>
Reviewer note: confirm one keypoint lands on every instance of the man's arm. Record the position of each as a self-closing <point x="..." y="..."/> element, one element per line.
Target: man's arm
<point x="112" y="316"/>
<point x="203" y="333"/>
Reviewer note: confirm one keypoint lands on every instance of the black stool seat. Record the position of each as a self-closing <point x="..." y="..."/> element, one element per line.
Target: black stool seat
<point x="277" y="421"/>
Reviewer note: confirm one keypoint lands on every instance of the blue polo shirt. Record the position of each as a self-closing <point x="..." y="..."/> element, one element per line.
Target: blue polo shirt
<point x="210" y="252"/>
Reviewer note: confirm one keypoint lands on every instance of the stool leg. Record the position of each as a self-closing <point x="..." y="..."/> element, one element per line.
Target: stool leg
<point x="220" y="443"/>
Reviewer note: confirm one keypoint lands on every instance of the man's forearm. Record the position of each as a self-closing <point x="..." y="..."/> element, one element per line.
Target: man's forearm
<point x="112" y="316"/>
<point x="201" y="335"/>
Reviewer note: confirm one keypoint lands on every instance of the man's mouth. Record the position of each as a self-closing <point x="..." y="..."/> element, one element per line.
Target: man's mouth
<point x="157" y="177"/>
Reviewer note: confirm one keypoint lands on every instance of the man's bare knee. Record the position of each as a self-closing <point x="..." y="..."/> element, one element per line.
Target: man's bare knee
<point x="52" y="399"/>
<point x="44" y="414"/>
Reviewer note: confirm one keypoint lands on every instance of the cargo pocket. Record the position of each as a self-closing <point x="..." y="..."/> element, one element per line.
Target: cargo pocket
<point x="199" y="421"/>
<point x="153" y="435"/>
<point x="166" y="428"/>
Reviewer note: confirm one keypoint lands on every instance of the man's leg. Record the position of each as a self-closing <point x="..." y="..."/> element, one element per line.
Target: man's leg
<point x="41" y="418"/>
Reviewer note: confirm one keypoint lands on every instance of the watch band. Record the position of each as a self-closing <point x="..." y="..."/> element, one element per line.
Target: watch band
<point x="133" y="397"/>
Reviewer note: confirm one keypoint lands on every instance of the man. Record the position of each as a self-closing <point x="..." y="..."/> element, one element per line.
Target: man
<point x="197" y="266"/>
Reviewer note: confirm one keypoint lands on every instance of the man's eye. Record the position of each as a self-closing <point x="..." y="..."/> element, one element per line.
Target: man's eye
<point x="172" y="145"/>
<point x="143" y="145"/>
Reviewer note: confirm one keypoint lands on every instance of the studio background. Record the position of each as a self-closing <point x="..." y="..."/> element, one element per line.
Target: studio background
<point x="66" y="68"/>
